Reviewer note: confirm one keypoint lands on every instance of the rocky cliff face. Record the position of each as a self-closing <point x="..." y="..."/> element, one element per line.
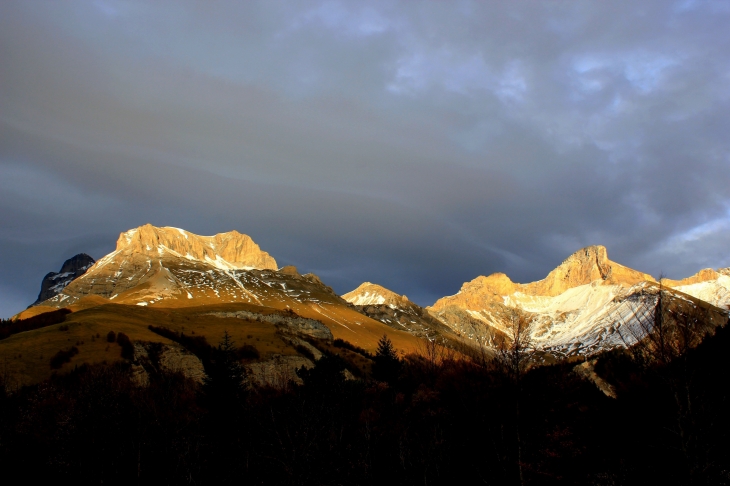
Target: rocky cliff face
<point x="54" y="282"/>
<point x="232" y="250"/>
<point x="162" y="259"/>
<point x="583" y="267"/>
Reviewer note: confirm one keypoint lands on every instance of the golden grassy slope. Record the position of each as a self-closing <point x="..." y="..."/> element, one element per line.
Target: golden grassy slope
<point x="26" y="355"/>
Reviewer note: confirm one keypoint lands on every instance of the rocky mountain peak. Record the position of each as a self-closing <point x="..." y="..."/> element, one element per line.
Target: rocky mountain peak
<point x="77" y="263"/>
<point x="55" y="282"/>
<point x="591" y="256"/>
<point x="586" y="265"/>
<point x="496" y="283"/>
<point x="582" y="267"/>
<point x="373" y="294"/>
<point x="233" y="248"/>
<point x="703" y="275"/>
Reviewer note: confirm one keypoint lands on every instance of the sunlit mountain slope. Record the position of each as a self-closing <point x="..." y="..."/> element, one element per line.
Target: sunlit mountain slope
<point x="581" y="307"/>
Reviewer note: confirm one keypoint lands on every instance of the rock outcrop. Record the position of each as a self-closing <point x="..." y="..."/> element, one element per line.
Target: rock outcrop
<point x="278" y="371"/>
<point x="165" y="357"/>
<point x="288" y="322"/>
<point x="54" y="282"/>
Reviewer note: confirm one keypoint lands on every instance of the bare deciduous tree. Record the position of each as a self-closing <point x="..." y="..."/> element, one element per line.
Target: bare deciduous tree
<point x="659" y="331"/>
<point x="515" y="350"/>
<point x="433" y="355"/>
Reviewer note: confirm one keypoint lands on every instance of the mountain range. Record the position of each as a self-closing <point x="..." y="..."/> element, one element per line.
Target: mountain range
<point x="172" y="268"/>
<point x="582" y="307"/>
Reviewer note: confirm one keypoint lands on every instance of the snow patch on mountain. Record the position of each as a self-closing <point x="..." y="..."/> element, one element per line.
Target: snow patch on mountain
<point x="716" y="292"/>
<point x="368" y="299"/>
<point x="567" y="327"/>
<point x="372" y="294"/>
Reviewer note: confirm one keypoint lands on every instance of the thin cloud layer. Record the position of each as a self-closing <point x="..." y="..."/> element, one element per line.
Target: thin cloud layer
<point x="412" y="144"/>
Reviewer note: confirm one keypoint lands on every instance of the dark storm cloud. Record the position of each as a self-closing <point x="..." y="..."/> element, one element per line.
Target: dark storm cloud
<point x="412" y="144"/>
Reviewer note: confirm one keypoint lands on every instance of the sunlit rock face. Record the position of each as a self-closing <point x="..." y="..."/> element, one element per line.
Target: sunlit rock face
<point x="583" y="267"/>
<point x="231" y="250"/>
<point x="168" y="263"/>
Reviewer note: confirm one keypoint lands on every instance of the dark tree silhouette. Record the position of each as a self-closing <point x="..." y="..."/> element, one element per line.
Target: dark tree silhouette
<point x="63" y="356"/>
<point x="9" y="327"/>
<point x="386" y="364"/>
<point x="126" y="344"/>
<point x="514" y="353"/>
<point x="224" y="382"/>
<point x="224" y="395"/>
<point x="326" y="376"/>
<point x="660" y="333"/>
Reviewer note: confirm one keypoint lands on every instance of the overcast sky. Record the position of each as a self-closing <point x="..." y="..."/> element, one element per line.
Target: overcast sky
<point x="412" y="144"/>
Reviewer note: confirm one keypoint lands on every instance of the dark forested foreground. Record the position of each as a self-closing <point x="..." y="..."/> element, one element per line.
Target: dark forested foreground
<point x="427" y="420"/>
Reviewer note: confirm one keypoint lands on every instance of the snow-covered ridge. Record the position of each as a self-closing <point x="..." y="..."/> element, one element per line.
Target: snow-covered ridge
<point x="716" y="292"/>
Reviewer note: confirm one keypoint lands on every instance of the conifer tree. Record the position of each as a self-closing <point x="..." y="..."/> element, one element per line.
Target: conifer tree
<point x="387" y="365"/>
<point x="224" y="382"/>
<point x="224" y="397"/>
<point x="326" y="376"/>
